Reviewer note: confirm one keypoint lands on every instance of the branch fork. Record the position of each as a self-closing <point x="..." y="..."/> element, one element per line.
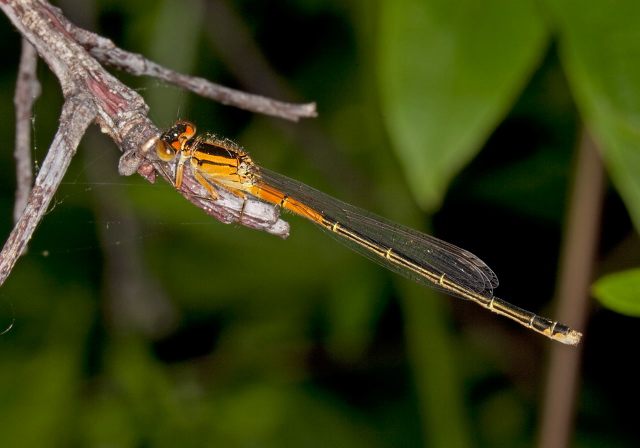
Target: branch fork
<point x="92" y="95"/>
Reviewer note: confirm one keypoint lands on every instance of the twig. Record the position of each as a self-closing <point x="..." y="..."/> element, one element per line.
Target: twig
<point x="121" y="112"/>
<point x="577" y="267"/>
<point x="118" y="110"/>
<point x="77" y="113"/>
<point x="107" y="52"/>
<point x="27" y="91"/>
<point x="138" y="155"/>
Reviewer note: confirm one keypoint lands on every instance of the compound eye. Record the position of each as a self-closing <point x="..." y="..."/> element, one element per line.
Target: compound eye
<point x="165" y="151"/>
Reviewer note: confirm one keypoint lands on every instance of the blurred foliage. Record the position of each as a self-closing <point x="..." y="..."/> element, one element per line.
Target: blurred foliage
<point x="139" y="321"/>
<point x="620" y="291"/>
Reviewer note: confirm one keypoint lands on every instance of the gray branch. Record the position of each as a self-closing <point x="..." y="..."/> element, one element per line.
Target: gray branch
<point x="27" y="91"/>
<point x="77" y="113"/>
<point x="92" y="94"/>
<point x="105" y="51"/>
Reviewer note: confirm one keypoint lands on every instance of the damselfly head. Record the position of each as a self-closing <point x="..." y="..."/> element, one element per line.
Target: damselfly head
<point x="173" y="139"/>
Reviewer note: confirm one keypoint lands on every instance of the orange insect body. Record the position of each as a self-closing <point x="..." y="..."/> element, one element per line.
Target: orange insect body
<point x="419" y="257"/>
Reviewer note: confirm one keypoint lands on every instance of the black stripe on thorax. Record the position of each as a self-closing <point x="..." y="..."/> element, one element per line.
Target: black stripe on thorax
<point x="200" y="149"/>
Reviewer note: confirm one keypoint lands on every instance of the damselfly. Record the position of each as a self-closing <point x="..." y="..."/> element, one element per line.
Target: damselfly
<point x="418" y="256"/>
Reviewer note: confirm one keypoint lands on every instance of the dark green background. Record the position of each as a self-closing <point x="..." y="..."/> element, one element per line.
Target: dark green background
<point x="460" y="119"/>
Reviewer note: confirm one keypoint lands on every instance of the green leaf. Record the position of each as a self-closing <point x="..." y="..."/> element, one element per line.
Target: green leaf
<point x="449" y="72"/>
<point x="600" y="49"/>
<point x="620" y="292"/>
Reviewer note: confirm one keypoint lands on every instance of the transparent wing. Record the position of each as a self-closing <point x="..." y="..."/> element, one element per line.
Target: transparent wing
<point x="432" y="254"/>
